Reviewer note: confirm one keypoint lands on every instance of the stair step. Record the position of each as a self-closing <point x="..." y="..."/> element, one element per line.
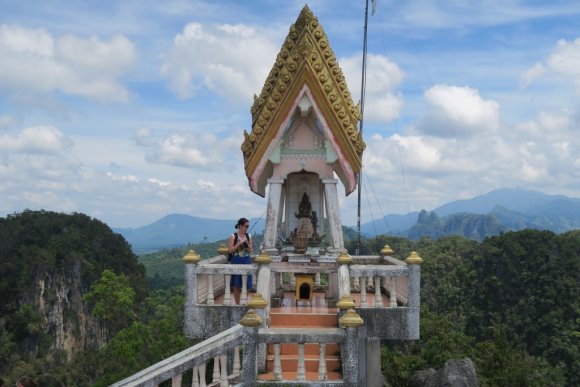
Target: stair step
<point x="311" y="376"/>
<point x="303" y="319"/>
<point x="290" y="363"/>
<point x="309" y="349"/>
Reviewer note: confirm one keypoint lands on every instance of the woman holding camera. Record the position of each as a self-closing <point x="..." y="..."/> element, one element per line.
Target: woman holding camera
<point x="240" y="248"/>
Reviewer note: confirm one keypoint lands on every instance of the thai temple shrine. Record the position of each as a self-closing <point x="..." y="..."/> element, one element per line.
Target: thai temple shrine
<point x="317" y="315"/>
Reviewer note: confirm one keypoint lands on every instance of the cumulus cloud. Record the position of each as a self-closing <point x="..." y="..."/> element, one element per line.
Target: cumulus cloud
<point x="227" y="59"/>
<point x="563" y="61"/>
<point x="37" y="139"/>
<point x="383" y="102"/>
<point x="189" y="150"/>
<point x="427" y="170"/>
<point x="33" y="61"/>
<point x="458" y="111"/>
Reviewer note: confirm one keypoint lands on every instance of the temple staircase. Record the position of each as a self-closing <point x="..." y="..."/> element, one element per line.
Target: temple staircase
<point x="315" y="318"/>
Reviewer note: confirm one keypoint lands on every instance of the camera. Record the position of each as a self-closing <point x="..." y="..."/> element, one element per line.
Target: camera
<point x="245" y="245"/>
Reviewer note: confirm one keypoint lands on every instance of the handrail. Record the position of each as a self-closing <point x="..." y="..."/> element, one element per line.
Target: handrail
<point x="301" y="335"/>
<point x="185" y="360"/>
<point x="227" y="269"/>
<point x="379" y="270"/>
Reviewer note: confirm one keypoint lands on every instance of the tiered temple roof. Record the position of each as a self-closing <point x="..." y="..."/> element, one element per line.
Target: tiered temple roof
<point x="305" y="58"/>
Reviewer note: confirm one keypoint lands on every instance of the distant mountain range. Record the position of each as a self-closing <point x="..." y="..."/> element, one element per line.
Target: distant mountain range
<point x="177" y="230"/>
<point x="485" y="215"/>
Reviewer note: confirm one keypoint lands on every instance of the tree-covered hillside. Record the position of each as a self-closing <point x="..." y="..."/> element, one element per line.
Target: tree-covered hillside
<point x="511" y="303"/>
<point x="48" y="262"/>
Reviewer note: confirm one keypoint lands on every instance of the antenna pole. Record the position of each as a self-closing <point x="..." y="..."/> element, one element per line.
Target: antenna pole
<point x="362" y="109"/>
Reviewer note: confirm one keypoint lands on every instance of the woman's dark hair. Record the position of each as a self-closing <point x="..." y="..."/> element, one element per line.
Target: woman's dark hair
<point x="241" y="222"/>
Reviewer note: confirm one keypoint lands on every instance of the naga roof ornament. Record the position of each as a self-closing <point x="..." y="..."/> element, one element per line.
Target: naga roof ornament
<point x="305" y="57"/>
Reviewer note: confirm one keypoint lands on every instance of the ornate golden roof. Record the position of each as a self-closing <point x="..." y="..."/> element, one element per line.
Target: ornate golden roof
<point x="305" y="57"/>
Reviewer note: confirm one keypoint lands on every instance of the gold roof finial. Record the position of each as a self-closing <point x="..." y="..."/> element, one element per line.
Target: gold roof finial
<point x="351" y="319"/>
<point x="414" y="259"/>
<point x="386" y="250"/>
<point x="258" y="302"/>
<point x="191" y="257"/>
<point x="344" y="258"/>
<point x="263" y="258"/>
<point x="222" y="250"/>
<point x="251" y="319"/>
<point x="346" y="302"/>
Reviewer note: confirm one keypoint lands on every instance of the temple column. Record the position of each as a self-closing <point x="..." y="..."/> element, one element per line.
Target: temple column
<point x="333" y="212"/>
<point x="272" y="215"/>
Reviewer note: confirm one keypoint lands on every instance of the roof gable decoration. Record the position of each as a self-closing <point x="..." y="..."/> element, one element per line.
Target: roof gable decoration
<point x="305" y="56"/>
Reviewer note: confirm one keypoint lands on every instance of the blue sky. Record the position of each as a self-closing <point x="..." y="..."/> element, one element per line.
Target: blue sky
<point x="131" y="110"/>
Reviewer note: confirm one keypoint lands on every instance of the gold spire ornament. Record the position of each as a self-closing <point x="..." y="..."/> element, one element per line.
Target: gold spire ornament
<point x="251" y="319"/>
<point x="191" y="257"/>
<point x="257" y="302"/>
<point x="414" y="259"/>
<point x="223" y="250"/>
<point x="351" y="319"/>
<point x="386" y="251"/>
<point x="344" y="259"/>
<point x="346" y="302"/>
<point x="263" y="258"/>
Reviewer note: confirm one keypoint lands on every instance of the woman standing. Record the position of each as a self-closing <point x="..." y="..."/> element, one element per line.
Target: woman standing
<point x="240" y="248"/>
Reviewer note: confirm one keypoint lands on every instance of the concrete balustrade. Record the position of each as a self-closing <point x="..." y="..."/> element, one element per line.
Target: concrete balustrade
<point x="300" y="337"/>
<point x="386" y="278"/>
<point x="192" y="359"/>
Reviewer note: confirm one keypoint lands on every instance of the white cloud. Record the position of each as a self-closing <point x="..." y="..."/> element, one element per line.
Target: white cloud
<point x="383" y="102"/>
<point x="457" y="112"/>
<point x="564" y="61"/>
<point x="229" y="60"/>
<point x="189" y="150"/>
<point x="426" y="171"/>
<point x="159" y="182"/>
<point x="33" y="61"/>
<point x="37" y="139"/>
<point x="123" y="178"/>
<point x="532" y="74"/>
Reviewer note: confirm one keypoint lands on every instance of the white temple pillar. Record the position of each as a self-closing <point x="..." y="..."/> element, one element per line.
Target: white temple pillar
<point x="272" y="215"/>
<point x="333" y="212"/>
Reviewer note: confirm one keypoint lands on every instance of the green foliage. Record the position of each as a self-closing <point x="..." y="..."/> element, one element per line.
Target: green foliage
<point x="112" y="298"/>
<point x="513" y="299"/>
<point x="157" y="336"/>
<point x="165" y="268"/>
<point x="41" y="252"/>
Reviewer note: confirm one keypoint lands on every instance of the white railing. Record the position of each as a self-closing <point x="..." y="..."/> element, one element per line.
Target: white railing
<point x="194" y="359"/>
<point x="300" y="337"/>
<point x="378" y="279"/>
<point x="213" y="281"/>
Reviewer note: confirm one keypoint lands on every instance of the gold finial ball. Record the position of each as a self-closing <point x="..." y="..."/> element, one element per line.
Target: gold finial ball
<point x="414" y="259"/>
<point x="346" y="302"/>
<point x="222" y="250"/>
<point x="251" y="319"/>
<point x="386" y="251"/>
<point x="344" y="259"/>
<point x="263" y="258"/>
<point x="351" y="319"/>
<point x="191" y="257"/>
<point x="257" y="302"/>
